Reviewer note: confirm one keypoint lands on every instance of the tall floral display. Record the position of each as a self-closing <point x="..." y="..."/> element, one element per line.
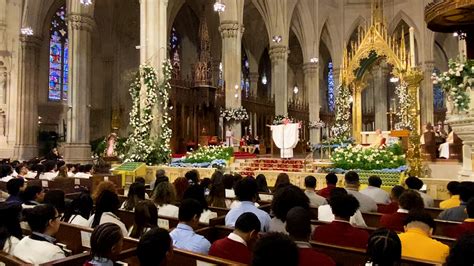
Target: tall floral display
<point x="404" y="102"/>
<point x="342" y="128"/>
<point x="141" y="146"/>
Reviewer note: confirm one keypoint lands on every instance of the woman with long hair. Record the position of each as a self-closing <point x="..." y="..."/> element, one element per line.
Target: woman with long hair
<point x="136" y="193"/>
<point x="146" y="218"/>
<point x="180" y="185"/>
<point x="217" y="191"/>
<point x="106" y="207"/>
<point x="164" y="197"/>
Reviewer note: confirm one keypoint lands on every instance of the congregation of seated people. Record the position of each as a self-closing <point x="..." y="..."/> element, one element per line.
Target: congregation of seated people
<point x="283" y="231"/>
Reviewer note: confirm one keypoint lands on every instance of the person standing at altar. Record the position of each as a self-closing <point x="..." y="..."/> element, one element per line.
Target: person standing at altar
<point x="379" y="139"/>
<point x="229" y="137"/>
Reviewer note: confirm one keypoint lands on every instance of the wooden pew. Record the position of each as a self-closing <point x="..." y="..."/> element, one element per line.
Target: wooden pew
<point x="434" y="212"/>
<point x="11" y="260"/>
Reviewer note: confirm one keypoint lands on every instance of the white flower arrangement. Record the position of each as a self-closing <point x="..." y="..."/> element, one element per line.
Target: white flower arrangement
<point x="282" y="119"/>
<point x="316" y="124"/>
<point x="404" y="102"/>
<point x="238" y="114"/>
<point x="356" y="157"/>
<point x="457" y="82"/>
<point x="342" y="128"/>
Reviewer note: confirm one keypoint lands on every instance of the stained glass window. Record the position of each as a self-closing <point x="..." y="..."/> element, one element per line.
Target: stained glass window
<point x="438" y="95"/>
<point x="58" y="57"/>
<point x="330" y="96"/>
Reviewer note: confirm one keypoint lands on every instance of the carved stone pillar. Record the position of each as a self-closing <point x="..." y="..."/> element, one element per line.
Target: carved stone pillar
<point x="311" y="83"/>
<point x="26" y="146"/>
<point x="231" y="33"/>
<point x="253" y="83"/>
<point x="77" y="147"/>
<point x="426" y="94"/>
<point x="278" y="57"/>
<point x="380" y="91"/>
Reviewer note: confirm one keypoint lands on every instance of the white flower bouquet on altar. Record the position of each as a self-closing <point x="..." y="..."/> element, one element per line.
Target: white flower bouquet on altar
<point x="457" y="82"/>
<point x="209" y="153"/>
<point x="357" y="157"/>
<point x="238" y="114"/>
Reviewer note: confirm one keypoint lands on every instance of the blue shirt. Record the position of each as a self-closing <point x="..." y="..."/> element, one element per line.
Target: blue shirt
<point x="184" y="238"/>
<point x="248" y="206"/>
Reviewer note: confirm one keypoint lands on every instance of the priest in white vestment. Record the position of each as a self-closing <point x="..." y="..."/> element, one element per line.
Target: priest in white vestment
<point x="286" y="138"/>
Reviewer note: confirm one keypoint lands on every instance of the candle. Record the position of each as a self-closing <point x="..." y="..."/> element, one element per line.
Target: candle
<point x="412" y="47"/>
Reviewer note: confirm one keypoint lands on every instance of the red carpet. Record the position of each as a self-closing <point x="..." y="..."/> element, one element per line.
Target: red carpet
<point x="244" y="155"/>
<point x="249" y="167"/>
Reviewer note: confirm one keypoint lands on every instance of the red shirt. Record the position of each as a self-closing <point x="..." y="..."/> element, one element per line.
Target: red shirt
<point x="394" y="221"/>
<point x="392" y="207"/>
<point x="461" y="229"/>
<point x="229" y="249"/>
<point x="310" y="257"/>
<point x="342" y="234"/>
<point x="325" y="192"/>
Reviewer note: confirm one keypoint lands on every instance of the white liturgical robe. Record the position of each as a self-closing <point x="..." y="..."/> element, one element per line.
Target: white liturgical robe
<point x="285" y="138"/>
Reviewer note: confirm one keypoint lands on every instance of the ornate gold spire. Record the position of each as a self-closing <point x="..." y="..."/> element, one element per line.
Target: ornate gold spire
<point x="377" y="11"/>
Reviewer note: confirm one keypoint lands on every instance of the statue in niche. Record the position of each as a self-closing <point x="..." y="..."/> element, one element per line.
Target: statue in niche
<point x="111" y="140"/>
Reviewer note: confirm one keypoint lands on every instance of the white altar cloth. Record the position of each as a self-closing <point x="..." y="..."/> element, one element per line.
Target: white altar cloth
<point x="286" y="138"/>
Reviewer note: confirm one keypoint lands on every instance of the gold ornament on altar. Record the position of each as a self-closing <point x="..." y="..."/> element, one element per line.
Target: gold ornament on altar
<point x="374" y="39"/>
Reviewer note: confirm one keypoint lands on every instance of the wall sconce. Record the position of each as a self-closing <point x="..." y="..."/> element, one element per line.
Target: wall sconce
<point x="219" y="7"/>
<point x="277" y="38"/>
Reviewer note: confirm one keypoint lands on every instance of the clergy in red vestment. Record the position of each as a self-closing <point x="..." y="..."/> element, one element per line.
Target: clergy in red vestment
<point x="237" y="245"/>
<point x="331" y="181"/>
<point x="392" y="207"/>
<point x="298" y="225"/>
<point x="468" y="225"/>
<point x="409" y="200"/>
<point x="340" y="232"/>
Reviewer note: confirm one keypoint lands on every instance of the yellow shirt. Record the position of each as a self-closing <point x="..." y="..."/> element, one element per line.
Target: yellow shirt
<point x="417" y="244"/>
<point x="452" y="202"/>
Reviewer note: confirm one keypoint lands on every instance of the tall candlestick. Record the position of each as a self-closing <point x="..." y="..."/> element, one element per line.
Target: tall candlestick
<point x="412" y="47"/>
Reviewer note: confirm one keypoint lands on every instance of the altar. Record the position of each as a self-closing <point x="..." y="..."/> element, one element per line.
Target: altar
<point x="285" y="137"/>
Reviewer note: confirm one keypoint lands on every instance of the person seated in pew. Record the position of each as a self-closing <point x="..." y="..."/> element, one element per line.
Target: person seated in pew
<point x="79" y="210"/>
<point x="409" y="201"/>
<point x="326" y="214"/>
<point x="106" y="208"/>
<point x="298" y="226"/>
<point x="6" y="172"/>
<point x="229" y="184"/>
<point x="340" y="231"/>
<point x="217" y="191"/>
<point x="454" y="200"/>
<point x="197" y="192"/>
<point x="10" y="230"/>
<point x="136" y="193"/>
<point x="55" y="197"/>
<point x="104" y="185"/>
<point x="284" y="199"/>
<point x="468" y="225"/>
<point x="415" y="183"/>
<point x="331" y="182"/>
<point x="246" y="192"/>
<point x="62" y="173"/>
<point x="193" y="177"/>
<point x="50" y="170"/>
<point x="375" y="192"/>
<point x="392" y="207"/>
<point x="180" y="185"/>
<point x="282" y="180"/>
<point x="160" y="176"/>
<point x="310" y="190"/>
<point x="40" y="246"/>
<point x="458" y="214"/>
<point x="21" y="170"/>
<point x="72" y="169"/>
<point x="85" y="171"/>
<point x="275" y="249"/>
<point x="155" y="248"/>
<point x="352" y="184"/>
<point x="183" y="235"/>
<point x="205" y="183"/>
<point x="461" y="253"/>
<point x="417" y="242"/>
<point x="15" y="186"/>
<point x="164" y="196"/>
<point x="237" y="246"/>
<point x="106" y="243"/>
<point x="146" y="218"/>
<point x="262" y="185"/>
<point x="32" y="196"/>
<point x="384" y="248"/>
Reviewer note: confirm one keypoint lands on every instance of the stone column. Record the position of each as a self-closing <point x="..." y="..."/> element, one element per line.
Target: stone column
<point x="26" y="146"/>
<point x="380" y="96"/>
<point x="255" y="126"/>
<point x="278" y="57"/>
<point x="231" y="33"/>
<point x="311" y="83"/>
<point x="77" y="147"/>
<point x="253" y="76"/>
<point x="426" y="94"/>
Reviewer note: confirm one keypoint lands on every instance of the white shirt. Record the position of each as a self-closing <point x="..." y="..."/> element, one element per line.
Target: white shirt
<point x="82" y="175"/>
<point x="325" y="214"/>
<point x="379" y="195"/>
<point x="206" y="215"/>
<point x="314" y="199"/>
<point x="236" y="238"/>
<point x="79" y="220"/>
<point x="48" y="175"/>
<point x="10" y="245"/>
<point x="37" y="251"/>
<point x="168" y="210"/>
<point x="236" y="204"/>
<point x="108" y="217"/>
<point x="31" y="174"/>
<point x="427" y="199"/>
<point x="277" y="225"/>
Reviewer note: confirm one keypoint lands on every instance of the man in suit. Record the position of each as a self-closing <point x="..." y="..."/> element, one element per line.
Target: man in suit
<point x="410" y="200"/>
<point x="352" y="184"/>
<point x="340" y="231"/>
<point x="237" y="245"/>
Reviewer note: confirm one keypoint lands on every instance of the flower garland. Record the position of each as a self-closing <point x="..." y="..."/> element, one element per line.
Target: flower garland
<point x="316" y="124"/>
<point x="404" y="102"/>
<point x="342" y="128"/>
<point x="457" y="82"/>
<point x="140" y="146"/>
<point x="238" y="114"/>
